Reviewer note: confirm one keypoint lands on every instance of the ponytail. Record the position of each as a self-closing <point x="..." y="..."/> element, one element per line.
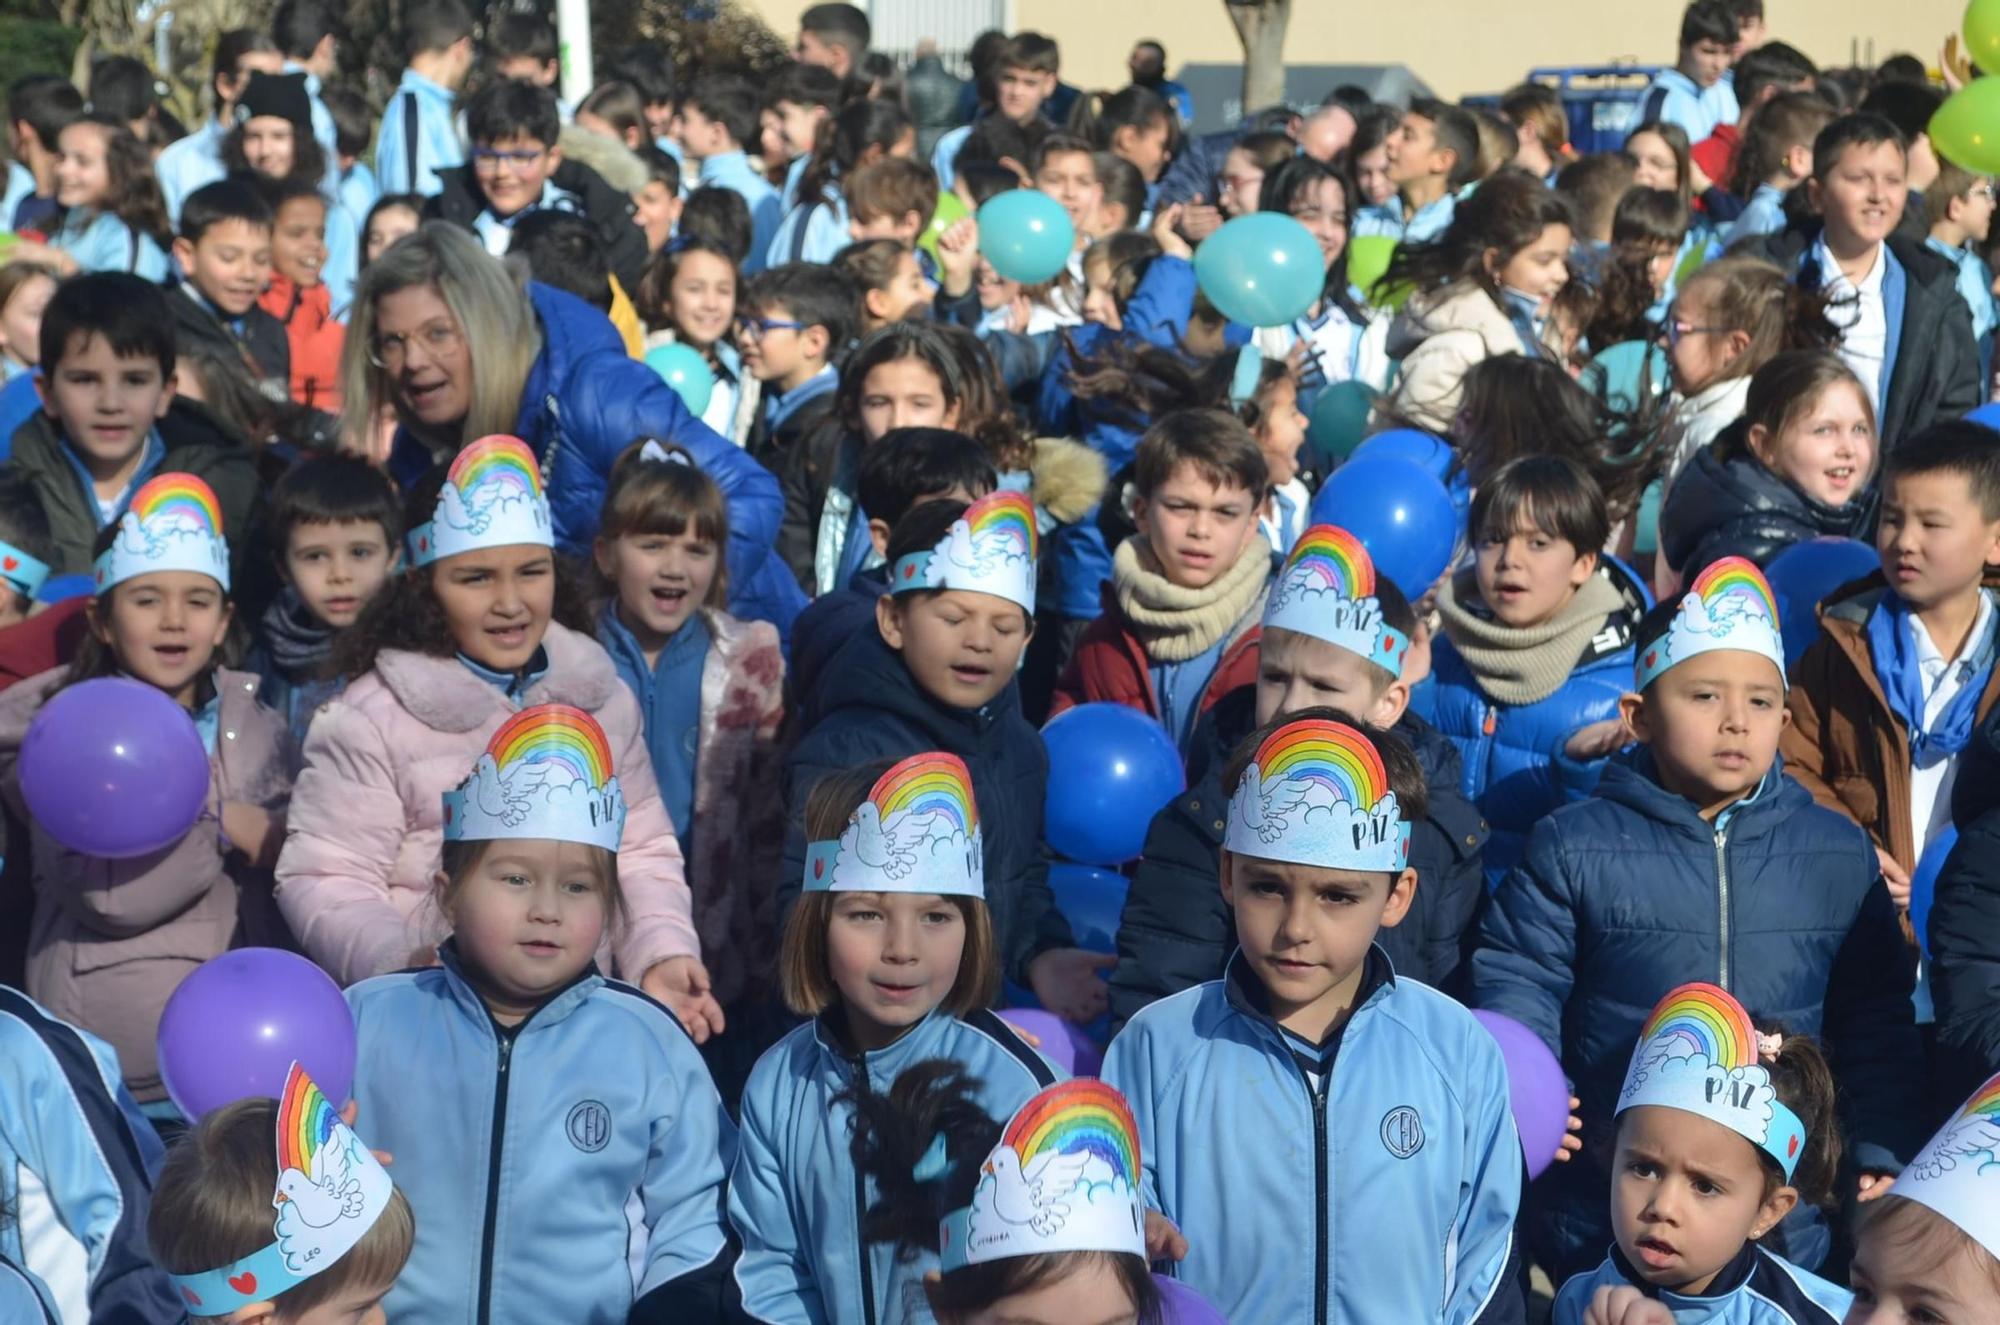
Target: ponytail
<point x="1804" y="1084"/>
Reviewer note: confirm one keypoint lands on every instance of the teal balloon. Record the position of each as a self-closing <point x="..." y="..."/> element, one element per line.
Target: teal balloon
<point x="1026" y="235"/>
<point x="1339" y="421"/>
<point x="1966" y="129"/>
<point x="682" y="368"/>
<point x="1261" y="270"/>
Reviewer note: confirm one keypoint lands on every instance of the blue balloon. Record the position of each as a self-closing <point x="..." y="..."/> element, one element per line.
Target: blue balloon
<point x="62" y="588"/>
<point x="1400" y="512"/>
<point x="1431" y="453"/>
<point x="1092" y="900"/>
<point x="1111" y="769"/>
<point x="1987" y="415"/>
<point x="1026" y="235"/>
<point x="1805" y="573"/>
<point x="683" y="368"/>
<point x="1923" y="883"/>
<point x="1262" y="270"/>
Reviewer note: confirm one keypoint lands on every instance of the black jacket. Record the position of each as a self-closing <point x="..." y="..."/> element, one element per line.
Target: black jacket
<point x="869" y="708"/>
<point x="1177" y="932"/>
<point x="262" y="344"/>
<point x="610" y="212"/>
<point x="813" y="454"/>
<point x="1965" y="924"/>
<point x="1737" y="508"/>
<point x="1936" y="374"/>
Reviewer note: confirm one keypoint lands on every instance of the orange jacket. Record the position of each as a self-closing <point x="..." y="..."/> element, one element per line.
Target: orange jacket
<point x="315" y="340"/>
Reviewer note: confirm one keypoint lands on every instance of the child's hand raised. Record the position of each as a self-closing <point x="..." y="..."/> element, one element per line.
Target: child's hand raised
<point x="1873" y="1186"/>
<point x="958" y="256"/>
<point x="1200" y="219"/>
<point x="1622" y="1304"/>
<point x="1166" y="232"/>
<point x="682" y="984"/>
<point x="1164" y="1242"/>
<point x="1065" y="980"/>
<point x="1572" y="1134"/>
<point x="1599" y="740"/>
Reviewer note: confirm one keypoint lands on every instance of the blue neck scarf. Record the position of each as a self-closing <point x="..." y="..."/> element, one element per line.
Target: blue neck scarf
<point x="1892" y="644"/>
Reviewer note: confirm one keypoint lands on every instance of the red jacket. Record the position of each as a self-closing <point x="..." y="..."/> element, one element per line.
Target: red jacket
<point x="47" y="639"/>
<point x="1716" y="154"/>
<point x="315" y="340"/>
<point x="1110" y="664"/>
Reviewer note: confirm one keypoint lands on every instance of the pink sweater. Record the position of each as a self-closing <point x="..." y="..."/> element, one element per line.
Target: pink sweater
<point x="367" y="819"/>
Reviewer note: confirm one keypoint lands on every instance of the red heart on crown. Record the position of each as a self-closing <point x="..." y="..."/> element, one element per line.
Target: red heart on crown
<point x="423" y="545"/>
<point x="819" y="867"/>
<point x="10" y="563"/>
<point x="245" y="1283"/>
<point x="1792" y="1147"/>
<point x="447" y="814"/>
<point x="194" y="1299"/>
<point x="909" y="572"/>
<point x="1652" y="656"/>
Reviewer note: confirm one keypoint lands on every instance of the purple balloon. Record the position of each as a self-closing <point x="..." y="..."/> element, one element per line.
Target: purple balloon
<point x="1061" y="1043"/>
<point x="1181" y="1305"/>
<point x="1536" y="1088"/>
<point x="235" y="1026"/>
<point x="114" y="768"/>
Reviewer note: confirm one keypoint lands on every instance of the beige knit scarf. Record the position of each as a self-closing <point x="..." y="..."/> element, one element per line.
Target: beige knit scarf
<point x="1524" y="665"/>
<point x="1177" y="624"/>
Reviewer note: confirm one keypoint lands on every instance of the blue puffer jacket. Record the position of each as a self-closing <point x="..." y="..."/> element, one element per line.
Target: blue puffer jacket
<point x="1630" y="893"/>
<point x="1756" y="1288"/>
<point x="585" y="401"/>
<point x="1511" y="754"/>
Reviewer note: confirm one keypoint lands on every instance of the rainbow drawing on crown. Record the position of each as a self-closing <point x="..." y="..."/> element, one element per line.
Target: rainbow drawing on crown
<point x="330" y="1191"/>
<point x="1327" y="590"/>
<point x="1698" y="1053"/>
<point x="1958" y="1173"/>
<point x="918" y="832"/>
<point x="172" y="523"/>
<point x="1317" y="793"/>
<point x="989" y="549"/>
<point x="1065" y="1177"/>
<point x="546" y="774"/>
<point x="492" y="497"/>
<point x="1729" y="606"/>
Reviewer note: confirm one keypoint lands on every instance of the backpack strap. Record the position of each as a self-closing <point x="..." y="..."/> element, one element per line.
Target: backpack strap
<point x="410" y="137"/>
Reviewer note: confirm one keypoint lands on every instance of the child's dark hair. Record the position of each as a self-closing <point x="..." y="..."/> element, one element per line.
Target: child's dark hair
<point x="1456" y="132"/>
<point x="1924" y="1242"/>
<point x="996" y="140"/>
<point x="858" y="131"/>
<point x="1709" y="20"/>
<point x="514" y="35"/>
<point x="122" y="87"/>
<point x="1552" y="493"/>
<point x="923" y="341"/>
<point x="803" y="974"/>
<point x="1676" y="139"/>
<point x="406" y="615"/>
<point x="654" y="298"/>
<point x="985" y="181"/>
<point x="129" y="311"/>
<point x="842" y="25"/>
<point x="668" y="498"/>
<point x="1122" y="186"/>
<point x="1406" y="774"/>
<point x="619" y="105"/>
<point x="1136" y="383"/>
<point x="235" y="199"/>
<point x="869" y="264"/>
<point x="646" y="66"/>
<point x="1774" y="64"/>
<point x="720" y="216"/>
<point x="1268" y="149"/>
<point x="986" y="414"/>
<point x="434" y="26"/>
<point x="512" y="108"/>
<point x="1125" y="258"/>
<point x="922" y="528"/>
<point x="46" y="103"/>
<point x="1287" y="188"/>
<point x="333" y="488"/>
<point x="562" y="249"/>
<point x="660" y="167"/>
<point x="277" y="193"/>
<point x="807" y="85"/>
<point x="409" y="202"/>
<point x="1909" y="106"/>
<point x="1788" y="120"/>
<point x="353" y="125"/>
<point x="1213" y="441"/>
<point x="815" y="294"/>
<point x="1959" y="447"/>
<point x="1592" y="185"/>
<point x="132" y="193"/>
<point x="1860" y="129"/>
<point x="1804" y="1084"/>
<point x="24" y="525"/>
<point x="731" y="101"/>
<point x="934" y="1101"/>
<point x="212" y="1207"/>
<point x="1647" y="224"/>
<point x="1031" y="51"/>
<point x="1508" y="212"/>
<point x="905" y="465"/>
<point x="894" y="188"/>
<point x="1098" y="116"/>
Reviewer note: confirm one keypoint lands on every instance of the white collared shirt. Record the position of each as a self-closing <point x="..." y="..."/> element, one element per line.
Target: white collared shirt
<point x="1930" y="788"/>
<point x="1861" y="315"/>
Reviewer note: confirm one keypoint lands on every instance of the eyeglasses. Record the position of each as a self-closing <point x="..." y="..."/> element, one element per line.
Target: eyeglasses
<point x="1676" y="331"/>
<point x="392" y="349"/>
<point x="756" y="328"/>
<point x="1241" y="183"/>
<point x="1981" y="191"/>
<point x="488" y="158"/>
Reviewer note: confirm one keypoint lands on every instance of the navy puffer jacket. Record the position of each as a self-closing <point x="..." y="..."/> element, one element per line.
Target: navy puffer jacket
<point x="584" y="402"/>
<point x="1630" y="893"/>
<point x="1726" y="504"/>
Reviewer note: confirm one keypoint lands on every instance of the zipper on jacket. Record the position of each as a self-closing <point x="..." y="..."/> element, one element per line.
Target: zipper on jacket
<point x="859" y="1063"/>
<point x="1722" y="909"/>
<point x="493" y="1177"/>
<point x="1322" y="1180"/>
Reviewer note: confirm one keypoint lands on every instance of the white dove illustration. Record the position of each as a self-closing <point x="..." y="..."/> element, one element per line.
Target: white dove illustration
<point x="1035" y="1197"/>
<point x="332" y="1194"/>
<point x="1266" y="810"/>
<point x="1975" y="1144"/>
<point x="875" y="847"/>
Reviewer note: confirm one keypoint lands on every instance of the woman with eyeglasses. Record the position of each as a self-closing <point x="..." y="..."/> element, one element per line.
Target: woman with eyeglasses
<point x="445" y="336"/>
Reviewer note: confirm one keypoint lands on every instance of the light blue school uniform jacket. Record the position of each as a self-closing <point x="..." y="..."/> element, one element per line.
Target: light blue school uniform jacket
<point x="99" y="241"/>
<point x="561" y="1169"/>
<point x="435" y="137"/>
<point x="795" y="1197"/>
<point x="1426" y="224"/>
<point x="1675" y="98"/>
<point x="187" y="164"/>
<point x="1756" y="1288"/>
<point x="732" y="171"/>
<point x="1372" y="1180"/>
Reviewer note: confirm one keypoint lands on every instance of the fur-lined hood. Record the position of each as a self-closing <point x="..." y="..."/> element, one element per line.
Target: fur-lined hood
<point x="1068" y="478"/>
<point x="618" y="164"/>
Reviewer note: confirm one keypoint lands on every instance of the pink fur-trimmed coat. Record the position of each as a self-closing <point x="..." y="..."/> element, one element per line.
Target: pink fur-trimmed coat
<point x="367" y="820"/>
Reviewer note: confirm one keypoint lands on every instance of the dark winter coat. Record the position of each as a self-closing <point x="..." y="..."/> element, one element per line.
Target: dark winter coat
<point x="1965" y="925"/>
<point x="261" y="344"/>
<point x="1734" y="507"/>
<point x="609" y="212"/>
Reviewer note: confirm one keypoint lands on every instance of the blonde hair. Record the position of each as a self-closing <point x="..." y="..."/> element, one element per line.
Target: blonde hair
<point x="494" y="316"/>
<point x="212" y="1207"/>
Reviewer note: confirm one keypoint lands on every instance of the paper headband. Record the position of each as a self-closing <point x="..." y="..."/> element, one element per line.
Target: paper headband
<point x="1065" y="1177"/>
<point x="27" y="574"/>
<point x="330" y="1192"/>
<point x="173" y="523"/>
<point x="1729" y="606"/>
<point x="1698" y="1053"/>
<point x="918" y="832"/>
<point x="989" y="549"/>
<point x="492" y="497"/>
<point x="1958" y="1173"/>
<point x="1318" y="794"/>
<point x="1327" y="590"/>
<point x="546" y="774"/>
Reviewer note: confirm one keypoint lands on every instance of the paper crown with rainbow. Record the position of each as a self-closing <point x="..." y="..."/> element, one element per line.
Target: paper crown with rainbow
<point x="1729" y="606"/>
<point x="1065" y="1177"/>
<point x="918" y="832"/>
<point x="1317" y="793"/>
<point x="546" y="774"/>
<point x="989" y="549"/>
<point x="1327" y="590"/>
<point x="173" y="523"/>
<point x="492" y="497"/>
<point x="1958" y="1173"/>
<point x="1698" y="1053"/>
<point x="330" y="1192"/>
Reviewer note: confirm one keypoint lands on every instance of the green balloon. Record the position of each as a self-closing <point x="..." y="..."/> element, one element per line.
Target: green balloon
<point x="950" y="209"/>
<point x="1982" y="34"/>
<point x="1966" y="129"/>
<point x="1367" y="258"/>
<point x="1339" y="422"/>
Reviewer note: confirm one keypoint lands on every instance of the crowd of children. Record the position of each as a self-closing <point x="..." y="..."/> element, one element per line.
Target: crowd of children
<point x="616" y="559"/>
